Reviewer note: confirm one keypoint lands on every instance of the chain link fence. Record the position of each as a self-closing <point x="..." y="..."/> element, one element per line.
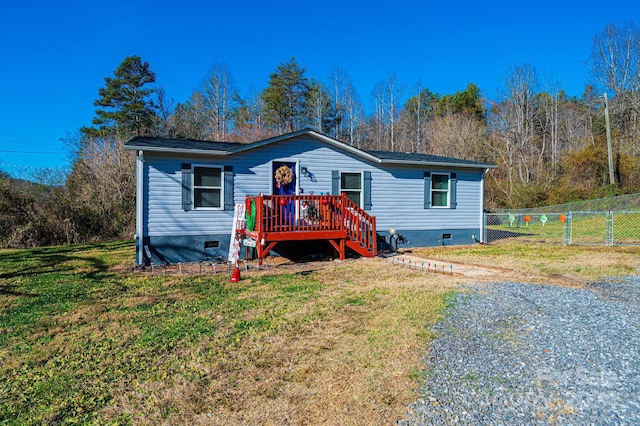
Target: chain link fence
<point x="608" y="221"/>
<point x="621" y="203"/>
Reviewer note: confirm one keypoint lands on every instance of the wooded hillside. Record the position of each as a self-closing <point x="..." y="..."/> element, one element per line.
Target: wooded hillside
<point x="550" y="147"/>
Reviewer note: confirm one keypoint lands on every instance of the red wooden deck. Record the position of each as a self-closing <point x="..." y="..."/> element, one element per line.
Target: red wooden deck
<point x="335" y="219"/>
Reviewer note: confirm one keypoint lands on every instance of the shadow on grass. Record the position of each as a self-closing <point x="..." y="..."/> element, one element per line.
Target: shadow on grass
<point x="499" y="234"/>
<point x="8" y="290"/>
<point x="47" y="260"/>
<point x="53" y="279"/>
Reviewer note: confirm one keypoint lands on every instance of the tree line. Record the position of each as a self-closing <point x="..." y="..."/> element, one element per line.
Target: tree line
<point x="550" y="148"/>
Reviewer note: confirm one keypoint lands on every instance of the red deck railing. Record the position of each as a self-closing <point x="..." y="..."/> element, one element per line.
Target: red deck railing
<point x="309" y="217"/>
<point x="360" y="226"/>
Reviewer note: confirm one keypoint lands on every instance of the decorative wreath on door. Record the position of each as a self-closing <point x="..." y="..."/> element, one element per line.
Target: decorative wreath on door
<point x="284" y="175"/>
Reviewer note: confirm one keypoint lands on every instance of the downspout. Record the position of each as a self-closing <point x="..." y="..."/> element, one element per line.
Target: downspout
<point x="482" y="214"/>
<point x="139" y="208"/>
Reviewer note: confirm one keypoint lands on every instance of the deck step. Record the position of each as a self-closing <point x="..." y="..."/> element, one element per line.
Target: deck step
<point x="360" y="248"/>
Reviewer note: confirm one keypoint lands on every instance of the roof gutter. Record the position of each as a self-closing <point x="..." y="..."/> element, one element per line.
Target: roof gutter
<point x="438" y="164"/>
<point x="176" y="150"/>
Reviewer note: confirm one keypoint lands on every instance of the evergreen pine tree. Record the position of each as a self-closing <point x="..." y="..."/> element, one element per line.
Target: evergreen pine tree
<point x="125" y="105"/>
<point x="286" y="97"/>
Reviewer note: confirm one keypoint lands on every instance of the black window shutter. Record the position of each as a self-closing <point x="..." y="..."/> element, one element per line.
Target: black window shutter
<point x="453" y="182"/>
<point x="186" y="186"/>
<point x="335" y="182"/>
<point x="367" y="191"/>
<point x="427" y="190"/>
<point x="228" y="188"/>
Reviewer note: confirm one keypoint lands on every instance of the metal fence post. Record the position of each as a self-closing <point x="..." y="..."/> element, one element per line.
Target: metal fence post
<point x="567" y="229"/>
<point x="483" y="237"/>
<point x="609" y="229"/>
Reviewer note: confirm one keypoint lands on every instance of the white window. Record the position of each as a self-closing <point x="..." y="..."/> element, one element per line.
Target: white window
<point x="207" y="187"/>
<point x="440" y="190"/>
<point x="351" y="185"/>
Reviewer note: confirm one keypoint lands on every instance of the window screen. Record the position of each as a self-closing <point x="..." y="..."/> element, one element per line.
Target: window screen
<point x="207" y="187"/>
<point x="351" y="185"/>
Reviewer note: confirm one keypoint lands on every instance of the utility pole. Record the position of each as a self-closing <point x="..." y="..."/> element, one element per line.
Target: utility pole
<point x="612" y="179"/>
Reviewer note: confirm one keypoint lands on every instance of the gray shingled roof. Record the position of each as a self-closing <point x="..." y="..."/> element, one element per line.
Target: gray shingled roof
<point x="421" y="158"/>
<point x="146" y="143"/>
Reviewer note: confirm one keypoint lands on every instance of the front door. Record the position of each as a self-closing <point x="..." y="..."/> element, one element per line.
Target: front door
<point x="283" y="175"/>
<point x="284" y="183"/>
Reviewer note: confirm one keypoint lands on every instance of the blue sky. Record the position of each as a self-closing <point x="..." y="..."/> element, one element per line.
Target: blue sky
<point x="55" y="55"/>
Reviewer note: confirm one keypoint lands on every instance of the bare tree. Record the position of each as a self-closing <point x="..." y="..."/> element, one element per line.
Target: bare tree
<point x="513" y="121"/>
<point x="562" y="125"/>
<point x="615" y="64"/>
<point x="377" y="122"/>
<point x="615" y="58"/>
<point x="339" y="79"/>
<point x="354" y="117"/>
<point x="321" y="111"/>
<point x="218" y="95"/>
<point x="164" y="123"/>
<point x="417" y="112"/>
<point x="386" y="95"/>
<point x="101" y="189"/>
<point x="513" y="129"/>
<point x="458" y="135"/>
<point x="548" y="126"/>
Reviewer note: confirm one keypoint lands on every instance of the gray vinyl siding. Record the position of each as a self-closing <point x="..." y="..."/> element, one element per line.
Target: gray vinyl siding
<point x="397" y="193"/>
<point x="398" y="200"/>
<point x="165" y="215"/>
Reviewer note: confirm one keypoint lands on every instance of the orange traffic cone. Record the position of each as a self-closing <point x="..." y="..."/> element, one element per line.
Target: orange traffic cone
<point x="235" y="277"/>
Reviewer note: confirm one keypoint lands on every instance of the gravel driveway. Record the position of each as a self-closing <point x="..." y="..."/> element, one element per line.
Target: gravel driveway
<point x="524" y="354"/>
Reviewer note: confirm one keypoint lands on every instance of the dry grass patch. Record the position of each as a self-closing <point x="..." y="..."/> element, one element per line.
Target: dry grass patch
<point x="544" y="263"/>
<point x="347" y="351"/>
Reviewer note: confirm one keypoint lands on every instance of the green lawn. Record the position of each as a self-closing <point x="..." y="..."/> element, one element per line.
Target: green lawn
<point x="586" y="228"/>
<point x="73" y="334"/>
<point x="81" y="343"/>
